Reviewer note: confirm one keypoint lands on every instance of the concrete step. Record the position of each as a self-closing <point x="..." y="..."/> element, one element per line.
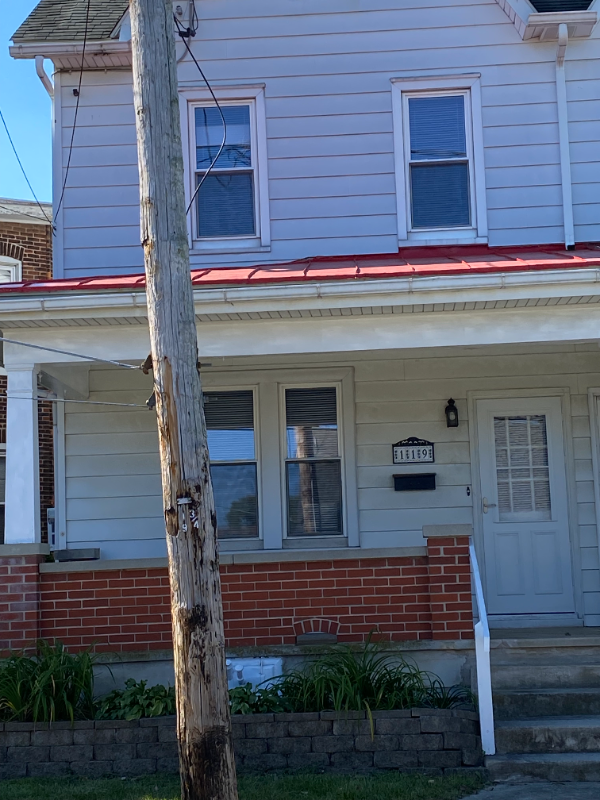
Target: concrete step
<point x="556" y="767"/>
<point x="549" y="735"/>
<point x="546" y="676"/>
<point x="530" y="703"/>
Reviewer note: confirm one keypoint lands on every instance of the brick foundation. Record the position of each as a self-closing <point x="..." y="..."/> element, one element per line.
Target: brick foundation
<point x="399" y="598"/>
<point x="20" y="613"/>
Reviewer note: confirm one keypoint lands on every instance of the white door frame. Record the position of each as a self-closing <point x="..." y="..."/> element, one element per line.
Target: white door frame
<point x="593" y="398"/>
<point x="564" y="393"/>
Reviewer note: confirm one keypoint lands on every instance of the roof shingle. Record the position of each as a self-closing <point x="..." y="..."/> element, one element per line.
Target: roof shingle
<point x="64" y="21"/>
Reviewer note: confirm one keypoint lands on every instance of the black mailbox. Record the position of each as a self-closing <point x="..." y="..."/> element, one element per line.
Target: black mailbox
<point x="417" y="482"/>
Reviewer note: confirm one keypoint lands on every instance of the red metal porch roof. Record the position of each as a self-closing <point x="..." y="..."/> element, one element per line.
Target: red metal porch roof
<point x="407" y="262"/>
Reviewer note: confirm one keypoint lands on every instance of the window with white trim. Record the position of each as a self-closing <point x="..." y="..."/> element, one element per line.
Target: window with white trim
<point x="439" y="160"/>
<point x="10" y="270"/>
<point x="313" y="469"/>
<point x="231" y="208"/>
<point x="232" y="448"/>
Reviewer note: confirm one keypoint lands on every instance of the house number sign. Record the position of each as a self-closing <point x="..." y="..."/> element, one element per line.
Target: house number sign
<point x="413" y="451"/>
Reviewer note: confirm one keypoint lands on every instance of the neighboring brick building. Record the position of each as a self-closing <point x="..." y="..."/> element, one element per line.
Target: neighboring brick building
<point x="26" y="255"/>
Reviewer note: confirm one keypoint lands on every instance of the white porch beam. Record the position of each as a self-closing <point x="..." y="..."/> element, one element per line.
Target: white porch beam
<point x="348" y="333"/>
<point x="22" y="507"/>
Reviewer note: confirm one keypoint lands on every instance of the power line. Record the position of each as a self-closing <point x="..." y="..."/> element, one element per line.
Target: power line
<point x="85" y="33"/>
<point x="184" y="34"/>
<point x="44" y="398"/>
<point x="14" y="149"/>
<point x="68" y="353"/>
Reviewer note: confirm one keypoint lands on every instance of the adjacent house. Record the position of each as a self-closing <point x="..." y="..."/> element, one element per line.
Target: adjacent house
<point x="26" y="255"/>
<point x="395" y="263"/>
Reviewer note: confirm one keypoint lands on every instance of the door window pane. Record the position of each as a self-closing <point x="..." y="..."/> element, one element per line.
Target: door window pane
<point x="522" y="470"/>
<point x="230" y="433"/>
<point x="313" y="468"/>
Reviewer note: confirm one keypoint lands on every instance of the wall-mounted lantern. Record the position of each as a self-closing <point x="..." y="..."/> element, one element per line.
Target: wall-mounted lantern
<point x="451" y="412"/>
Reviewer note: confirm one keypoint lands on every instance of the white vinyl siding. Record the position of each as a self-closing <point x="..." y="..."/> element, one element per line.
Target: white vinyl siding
<point x="113" y="487"/>
<point x="326" y="72"/>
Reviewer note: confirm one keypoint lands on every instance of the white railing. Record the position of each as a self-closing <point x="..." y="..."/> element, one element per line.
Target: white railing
<point x="482" y="657"/>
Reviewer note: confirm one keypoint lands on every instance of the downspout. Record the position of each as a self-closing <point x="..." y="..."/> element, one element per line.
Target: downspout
<point x="43" y="75"/>
<point x="563" y="137"/>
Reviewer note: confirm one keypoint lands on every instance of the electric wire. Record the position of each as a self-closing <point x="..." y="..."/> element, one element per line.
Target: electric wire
<point x="14" y="149"/>
<point x="64" y="186"/>
<point x="184" y="33"/>
<point x="68" y="353"/>
<point x="44" y="398"/>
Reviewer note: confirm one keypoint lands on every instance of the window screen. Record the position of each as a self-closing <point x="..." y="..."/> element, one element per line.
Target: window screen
<point x="225" y="203"/>
<point x="439" y="162"/>
<point x="313" y="467"/>
<point x="522" y="471"/>
<point x="230" y="434"/>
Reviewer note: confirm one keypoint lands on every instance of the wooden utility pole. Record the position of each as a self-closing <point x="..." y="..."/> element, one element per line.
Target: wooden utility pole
<point x="203" y="723"/>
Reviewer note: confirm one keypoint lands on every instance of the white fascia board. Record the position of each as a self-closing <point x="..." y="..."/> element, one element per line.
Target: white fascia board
<point x="343" y="294"/>
<point x="53" y="50"/>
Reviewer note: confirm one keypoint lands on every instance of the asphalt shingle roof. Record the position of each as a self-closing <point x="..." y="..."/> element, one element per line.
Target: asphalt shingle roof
<point x="64" y="21"/>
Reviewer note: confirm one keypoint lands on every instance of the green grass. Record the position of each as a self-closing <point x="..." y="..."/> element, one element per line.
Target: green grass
<point x="388" y="786"/>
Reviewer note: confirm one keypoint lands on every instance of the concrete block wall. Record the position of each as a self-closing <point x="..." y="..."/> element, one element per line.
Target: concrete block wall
<point x="430" y="740"/>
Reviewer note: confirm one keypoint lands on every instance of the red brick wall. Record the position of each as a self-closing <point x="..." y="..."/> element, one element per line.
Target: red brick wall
<point x="32" y="245"/>
<point x="269" y="604"/>
<point x="19" y="601"/>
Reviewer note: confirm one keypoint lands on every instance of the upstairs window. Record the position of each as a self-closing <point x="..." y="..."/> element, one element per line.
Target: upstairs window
<point x="549" y="6"/>
<point x="440" y="175"/>
<point x="233" y="468"/>
<point x="230" y="212"/>
<point x="10" y="270"/>
<point x="438" y="162"/>
<point x="225" y="204"/>
<point x="313" y="464"/>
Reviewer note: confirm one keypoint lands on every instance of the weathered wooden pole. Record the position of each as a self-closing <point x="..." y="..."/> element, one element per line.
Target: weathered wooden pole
<point x="203" y="722"/>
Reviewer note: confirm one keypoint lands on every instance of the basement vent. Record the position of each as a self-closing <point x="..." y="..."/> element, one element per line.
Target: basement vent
<point x="551" y="6"/>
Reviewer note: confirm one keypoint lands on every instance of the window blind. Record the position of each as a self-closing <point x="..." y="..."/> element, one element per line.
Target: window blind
<point x="522" y="469"/>
<point x="439" y="168"/>
<point x="313" y="469"/>
<point x="225" y="205"/>
<point x="230" y="425"/>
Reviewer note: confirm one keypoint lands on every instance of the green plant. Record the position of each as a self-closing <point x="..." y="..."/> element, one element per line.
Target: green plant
<point x="136" y="701"/>
<point x="263" y="700"/>
<point x="368" y="680"/>
<point x="48" y="686"/>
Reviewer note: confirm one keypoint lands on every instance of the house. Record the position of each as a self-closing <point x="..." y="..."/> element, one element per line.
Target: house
<point x="26" y="255"/>
<point x="395" y="266"/>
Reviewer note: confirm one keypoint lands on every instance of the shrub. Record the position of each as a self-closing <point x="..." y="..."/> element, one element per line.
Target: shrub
<point x="136" y="701"/>
<point x="343" y="680"/>
<point x="47" y="686"/>
<point x="262" y="700"/>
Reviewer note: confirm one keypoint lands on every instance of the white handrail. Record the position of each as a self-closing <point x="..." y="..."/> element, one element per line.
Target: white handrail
<point x="482" y="657"/>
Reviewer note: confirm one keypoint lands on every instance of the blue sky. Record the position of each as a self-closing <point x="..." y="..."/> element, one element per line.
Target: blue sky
<point x="27" y="110"/>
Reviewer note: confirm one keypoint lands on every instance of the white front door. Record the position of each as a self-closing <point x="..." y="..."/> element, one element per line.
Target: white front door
<point x="524" y="511"/>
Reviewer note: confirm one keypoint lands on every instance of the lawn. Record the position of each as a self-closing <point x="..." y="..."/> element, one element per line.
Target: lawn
<point x="389" y="786"/>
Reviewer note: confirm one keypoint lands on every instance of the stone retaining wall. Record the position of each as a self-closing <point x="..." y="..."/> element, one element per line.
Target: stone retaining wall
<point x="429" y="740"/>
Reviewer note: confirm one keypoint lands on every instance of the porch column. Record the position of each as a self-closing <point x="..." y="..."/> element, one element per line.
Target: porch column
<point x="22" y="504"/>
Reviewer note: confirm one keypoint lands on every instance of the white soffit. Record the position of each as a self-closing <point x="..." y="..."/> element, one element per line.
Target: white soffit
<point x="544" y="27"/>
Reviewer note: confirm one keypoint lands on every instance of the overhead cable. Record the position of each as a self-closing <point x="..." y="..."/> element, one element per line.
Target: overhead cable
<point x="45" y="398"/>
<point x="85" y="34"/>
<point x="185" y="34"/>
<point x="68" y="353"/>
<point x="14" y="149"/>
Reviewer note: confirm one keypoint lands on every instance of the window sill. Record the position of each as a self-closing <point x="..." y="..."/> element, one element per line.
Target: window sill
<point x="225" y="248"/>
<point x="314" y="542"/>
<point x="237" y="545"/>
<point x="445" y="237"/>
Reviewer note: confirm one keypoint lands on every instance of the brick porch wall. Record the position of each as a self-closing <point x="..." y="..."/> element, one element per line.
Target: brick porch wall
<point x="400" y="598"/>
<point x="20" y="613"/>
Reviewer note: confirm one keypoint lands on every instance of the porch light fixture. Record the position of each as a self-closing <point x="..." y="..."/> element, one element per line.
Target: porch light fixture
<point x="451" y="412"/>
